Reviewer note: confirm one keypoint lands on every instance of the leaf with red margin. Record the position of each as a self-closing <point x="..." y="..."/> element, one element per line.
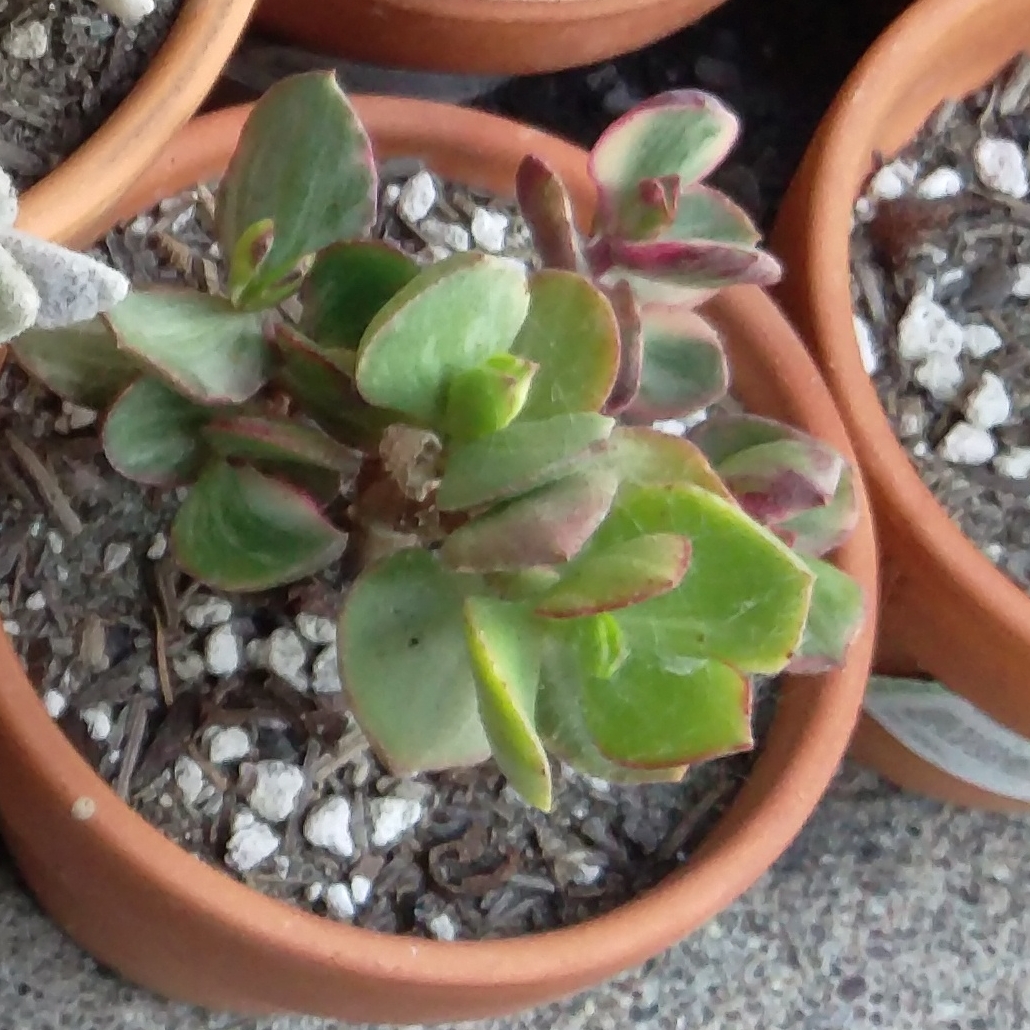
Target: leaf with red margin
<point x="646" y="457"/>
<point x="631" y="347"/>
<point x="834" y="619"/>
<point x="703" y="213"/>
<point x="260" y="438"/>
<point x="547" y="208"/>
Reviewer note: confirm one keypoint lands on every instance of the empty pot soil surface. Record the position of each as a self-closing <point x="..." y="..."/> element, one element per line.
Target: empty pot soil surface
<point x="65" y="65"/>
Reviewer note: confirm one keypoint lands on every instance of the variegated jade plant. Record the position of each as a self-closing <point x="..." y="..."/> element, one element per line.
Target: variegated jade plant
<point x="547" y="579"/>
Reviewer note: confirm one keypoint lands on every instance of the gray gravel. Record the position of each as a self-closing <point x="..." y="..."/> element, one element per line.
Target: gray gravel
<point x="890" y="911"/>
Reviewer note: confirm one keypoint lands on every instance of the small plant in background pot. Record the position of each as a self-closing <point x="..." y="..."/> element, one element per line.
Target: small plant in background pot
<point x="536" y="577"/>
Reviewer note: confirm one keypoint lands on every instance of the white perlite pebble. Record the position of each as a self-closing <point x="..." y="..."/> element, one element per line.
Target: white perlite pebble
<point x="277" y="787"/>
<point x="867" y="347"/>
<point x="1000" y="165"/>
<point x="392" y="818"/>
<point x="940" y="183"/>
<point x="1014" y="463"/>
<point x="979" y="340"/>
<point x="892" y="181"/>
<point x="316" y="629"/>
<point x="328" y="826"/>
<point x="941" y="376"/>
<point x="211" y="611"/>
<point x="489" y="229"/>
<point x="250" y="845"/>
<point x="189" y="778"/>
<point x="228" y="744"/>
<point x="78" y="417"/>
<point x="55" y="542"/>
<point x="242" y="817"/>
<point x="189" y="666"/>
<point x="967" y="445"/>
<point x="360" y="888"/>
<point x="417" y="197"/>
<point x="55" y="703"/>
<point x="35" y="602"/>
<point x="287" y="657"/>
<point x="443" y="928"/>
<point x="325" y="672"/>
<point x="338" y="902"/>
<point x="314" y="892"/>
<point x="115" y="556"/>
<point x="27" y="42"/>
<point x="439" y="233"/>
<point x="98" y="722"/>
<point x="926" y="329"/>
<point x="1021" y="287"/>
<point x="670" y="426"/>
<point x="222" y="654"/>
<point x="158" y="547"/>
<point x="989" y="404"/>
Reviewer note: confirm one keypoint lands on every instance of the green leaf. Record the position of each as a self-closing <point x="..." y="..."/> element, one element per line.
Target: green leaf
<point x="545" y="204"/>
<point x="450" y="318"/>
<point x="543" y="527"/>
<point x="80" y="363"/>
<point x="486" y="399"/>
<point x="405" y="664"/>
<point x="304" y="162"/>
<point x="504" y="644"/>
<point x="745" y="597"/>
<point x="153" y="436"/>
<point x="260" y="438"/>
<point x="684" y="367"/>
<point x="618" y="576"/>
<point x="646" y="457"/>
<point x="723" y="436"/>
<point x="348" y="285"/>
<point x="834" y="619"/>
<point x="821" y="530"/>
<point x="559" y="714"/>
<point x="239" y="530"/>
<point x="646" y="716"/>
<point x="197" y="343"/>
<point x="518" y="458"/>
<point x="706" y="214"/>
<point x="572" y="334"/>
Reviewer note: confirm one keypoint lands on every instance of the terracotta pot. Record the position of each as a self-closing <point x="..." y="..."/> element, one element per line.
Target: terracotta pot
<point x="496" y="37"/>
<point x="945" y="610"/>
<point x="70" y="205"/>
<point x="186" y="930"/>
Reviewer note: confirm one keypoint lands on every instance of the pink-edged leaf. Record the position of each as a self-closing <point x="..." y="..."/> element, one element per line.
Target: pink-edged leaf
<point x="702" y="213"/>
<point x="821" y="530"/>
<point x="649" y="209"/>
<point x="631" y="347"/>
<point x="684" y="366"/>
<point x="544" y="527"/>
<point x="617" y="576"/>
<point x="834" y="619"/>
<point x="547" y="208"/>
<point x="777" y="481"/>
<point x="200" y="345"/>
<point x="646" y="457"/>
<point x="260" y="438"/>
<point x="154" y="436"/>
<point x="239" y="530"/>
<point x="681" y="134"/>
<point x="697" y="264"/>
<point x="722" y="436"/>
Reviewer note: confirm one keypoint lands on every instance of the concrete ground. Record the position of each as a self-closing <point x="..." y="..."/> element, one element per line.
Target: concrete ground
<point x="889" y="911"/>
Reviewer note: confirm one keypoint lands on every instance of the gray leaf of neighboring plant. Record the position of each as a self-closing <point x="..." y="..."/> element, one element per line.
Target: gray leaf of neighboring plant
<point x="19" y="301"/>
<point x="8" y="201"/>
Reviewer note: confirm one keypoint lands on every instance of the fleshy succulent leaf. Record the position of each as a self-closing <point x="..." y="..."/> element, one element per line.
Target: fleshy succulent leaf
<point x="647" y="716"/>
<point x="450" y="318"/>
<point x="617" y="576"/>
<point x="305" y="163"/>
<point x="745" y="596"/>
<point x="239" y="530"/>
<point x="702" y="213"/>
<point x="482" y="400"/>
<point x="682" y="135"/>
<point x="504" y="644"/>
<point x="519" y="457"/>
<point x="547" y="208"/>
<point x="262" y="438"/>
<point x="834" y="619"/>
<point x="722" y="436"/>
<point x="572" y="334"/>
<point x="684" y="366"/>
<point x="698" y="265"/>
<point x="821" y="530"/>
<point x="403" y="651"/>
<point x="198" y="344"/>
<point x="631" y="347"/>
<point x="153" y="435"/>
<point x="80" y="363"/>
<point x="347" y="286"/>
<point x="646" y="457"/>
<point x="19" y="298"/>
<point x="543" y="527"/>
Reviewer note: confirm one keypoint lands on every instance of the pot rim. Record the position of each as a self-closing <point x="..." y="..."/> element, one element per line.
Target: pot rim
<point x="802" y="751"/>
<point x="843" y="152"/>
<point x="169" y="92"/>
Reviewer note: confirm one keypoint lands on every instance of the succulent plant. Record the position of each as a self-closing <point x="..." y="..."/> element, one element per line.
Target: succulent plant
<point x="537" y="578"/>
